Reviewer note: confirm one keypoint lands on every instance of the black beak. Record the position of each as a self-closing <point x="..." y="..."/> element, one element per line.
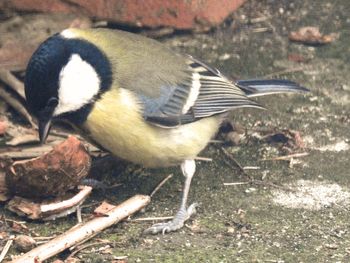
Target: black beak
<point x="44" y="128"/>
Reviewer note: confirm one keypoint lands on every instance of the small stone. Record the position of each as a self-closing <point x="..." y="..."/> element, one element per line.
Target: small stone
<point x="3" y="127"/>
<point x="24" y="243"/>
<point x="331" y="246"/>
<point x="230" y="230"/>
<point x="225" y="56"/>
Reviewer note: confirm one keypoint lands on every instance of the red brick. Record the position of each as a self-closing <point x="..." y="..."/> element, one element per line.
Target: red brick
<point x="181" y="14"/>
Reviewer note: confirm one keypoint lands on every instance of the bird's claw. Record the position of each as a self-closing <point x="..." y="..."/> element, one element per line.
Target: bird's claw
<point x="175" y="224"/>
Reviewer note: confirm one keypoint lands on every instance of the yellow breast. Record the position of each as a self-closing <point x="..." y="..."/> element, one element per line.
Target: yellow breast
<point x="117" y="125"/>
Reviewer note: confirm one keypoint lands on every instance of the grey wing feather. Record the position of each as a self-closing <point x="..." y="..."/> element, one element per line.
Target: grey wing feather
<point x="202" y="93"/>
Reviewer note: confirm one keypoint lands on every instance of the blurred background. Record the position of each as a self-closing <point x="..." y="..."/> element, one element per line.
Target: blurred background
<point x="275" y="187"/>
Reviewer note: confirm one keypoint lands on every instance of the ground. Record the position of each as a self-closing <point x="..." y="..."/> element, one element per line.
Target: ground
<point x="296" y="211"/>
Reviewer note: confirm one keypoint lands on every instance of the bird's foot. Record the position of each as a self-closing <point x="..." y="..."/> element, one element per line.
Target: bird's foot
<point x="178" y="221"/>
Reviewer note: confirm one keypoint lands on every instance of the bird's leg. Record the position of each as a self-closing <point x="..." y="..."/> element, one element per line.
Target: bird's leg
<point x="188" y="168"/>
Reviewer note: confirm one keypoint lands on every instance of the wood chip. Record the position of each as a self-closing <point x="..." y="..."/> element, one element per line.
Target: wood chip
<point x="51" y="174"/>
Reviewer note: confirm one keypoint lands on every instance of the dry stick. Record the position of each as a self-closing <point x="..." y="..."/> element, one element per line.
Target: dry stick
<point x="204" y="159"/>
<point x="8" y="78"/>
<point x="160" y="185"/>
<point x="286" y="157"/>
<point x="63" y="205"/>
<point x="264" y="183"/>
<point x="231" y="158"/>
<point x="84" y="231"/>
<point x="6" y="249"/>
<point x="283" y="72"/>
<point x="261" y="29"/>
<point x="25" y="152"/>
<point x="79" y="218"/>
<point x="237" y="183"/>
<point x="259" y="182"/>
<point x="251" y="168"/>
<point x="77" y="250"/>
<point x="259" y="19"/>
<point x="159" y="218"/>
<point x="14" y="103"/>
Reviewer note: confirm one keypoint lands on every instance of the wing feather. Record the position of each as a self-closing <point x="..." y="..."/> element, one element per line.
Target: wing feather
<point x="204" y="92"/>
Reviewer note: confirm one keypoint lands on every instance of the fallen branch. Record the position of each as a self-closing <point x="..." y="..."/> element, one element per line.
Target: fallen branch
<point x="84" y="231"/>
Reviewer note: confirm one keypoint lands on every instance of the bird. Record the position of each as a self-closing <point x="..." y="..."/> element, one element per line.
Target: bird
<point x="137" y="98"/>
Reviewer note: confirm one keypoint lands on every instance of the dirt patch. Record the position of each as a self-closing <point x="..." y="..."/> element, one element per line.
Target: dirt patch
<point x="312" y="195"/>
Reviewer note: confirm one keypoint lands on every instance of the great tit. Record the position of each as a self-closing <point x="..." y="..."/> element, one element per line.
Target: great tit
<point x="136" y="98"/>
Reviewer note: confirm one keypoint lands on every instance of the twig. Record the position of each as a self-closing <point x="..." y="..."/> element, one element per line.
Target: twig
<point x="49" y="211"/>
<point x="160" y="184"/>
<point x="259" y="19"/>
<point x="251" y="168"/>
<point x="264" y="183"/>
<point x="217" y="141"/>
<point x="43" y="238"/>
<point x="26" y="152"/>
<point x="89" y="205"/>
<point x="283" y="72"/>
<point x="6" y="249"/>
<point x="72" y="202"/>
<point x="84" y="231"/>
<point x="205" y="159"/>
<point x="80" y="220"/>
<point x="261" y="29"/>
<point x="78" y="249"/>
<point x="286" y="157"/>
<point x="238" y="183"/>
<point x="159" y="218"/>
<point x="14" y="103"/>
<point x="8" y="78"/>
<point x="232" y="159"/>
<point x="259" y="182"/>
<point x="14" y="221"/>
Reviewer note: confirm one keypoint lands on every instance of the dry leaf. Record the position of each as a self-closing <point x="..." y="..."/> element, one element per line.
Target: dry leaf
<point x="103" y="209"/>
<point x="51" y="174"/>
<point x="312" y="36"/>
<point x="24" y="243"/>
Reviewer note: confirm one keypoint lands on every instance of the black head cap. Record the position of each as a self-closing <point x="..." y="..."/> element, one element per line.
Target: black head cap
<point x="43" y="78"/>
<point x="45" y="65"/>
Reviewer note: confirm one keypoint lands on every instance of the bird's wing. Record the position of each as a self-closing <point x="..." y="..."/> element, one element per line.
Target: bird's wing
<point x="202" y="93"/>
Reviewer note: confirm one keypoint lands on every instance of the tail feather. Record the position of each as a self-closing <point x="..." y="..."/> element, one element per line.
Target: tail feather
<point x="254" y="88"/>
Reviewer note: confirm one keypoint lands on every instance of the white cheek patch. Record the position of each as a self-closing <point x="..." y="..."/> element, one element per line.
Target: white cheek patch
<point x="78" y="84"/>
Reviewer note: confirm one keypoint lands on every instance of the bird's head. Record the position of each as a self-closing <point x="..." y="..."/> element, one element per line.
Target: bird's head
<point x="64" y="76"/>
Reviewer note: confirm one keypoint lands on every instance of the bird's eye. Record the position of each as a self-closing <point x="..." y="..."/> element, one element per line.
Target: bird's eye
<point x="52" y="103"/>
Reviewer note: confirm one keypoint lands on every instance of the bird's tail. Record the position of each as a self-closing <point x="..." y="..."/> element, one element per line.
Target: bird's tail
<point x="254" y="88"/>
